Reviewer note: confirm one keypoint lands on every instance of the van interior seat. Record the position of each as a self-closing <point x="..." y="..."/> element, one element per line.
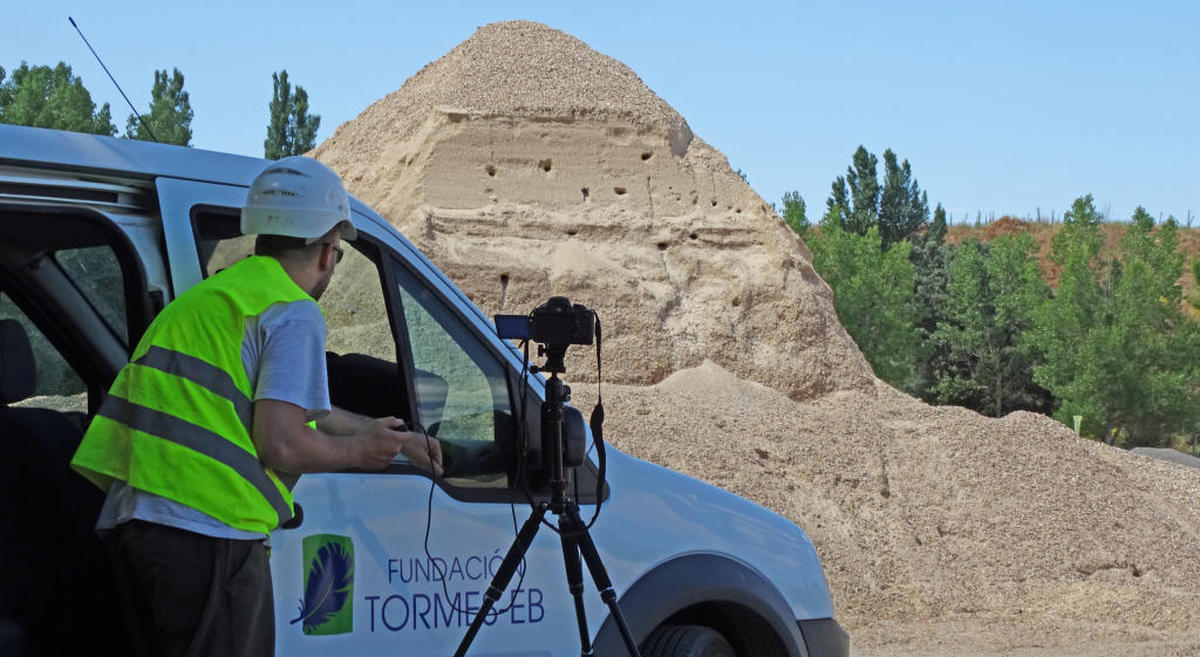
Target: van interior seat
<point x="56" y="584"/>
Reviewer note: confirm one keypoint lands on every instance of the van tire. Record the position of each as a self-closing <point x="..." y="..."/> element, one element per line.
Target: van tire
<point x="686" y="641"/>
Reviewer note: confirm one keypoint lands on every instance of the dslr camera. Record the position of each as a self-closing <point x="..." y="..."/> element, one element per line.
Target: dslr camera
<point x="556" y="322"/>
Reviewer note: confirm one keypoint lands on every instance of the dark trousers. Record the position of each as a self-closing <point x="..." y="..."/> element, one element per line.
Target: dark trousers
<point x="186" y="594"/>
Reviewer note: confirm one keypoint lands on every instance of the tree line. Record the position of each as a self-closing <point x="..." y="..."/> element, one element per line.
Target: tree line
<point x="978" y="325"/>
<point x="46" y="97"/>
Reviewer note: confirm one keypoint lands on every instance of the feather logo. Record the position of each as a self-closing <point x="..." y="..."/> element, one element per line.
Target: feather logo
<point x="328" y="585"/>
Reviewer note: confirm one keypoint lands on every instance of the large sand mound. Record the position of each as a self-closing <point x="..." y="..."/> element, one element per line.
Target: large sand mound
<point x="526" y="164"/>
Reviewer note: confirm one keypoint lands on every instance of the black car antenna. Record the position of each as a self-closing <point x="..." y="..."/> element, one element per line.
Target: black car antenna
<point x="114" y="81"/>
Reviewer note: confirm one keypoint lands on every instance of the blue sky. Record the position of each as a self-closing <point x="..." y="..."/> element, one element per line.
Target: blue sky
<point x="1001" y="107"/>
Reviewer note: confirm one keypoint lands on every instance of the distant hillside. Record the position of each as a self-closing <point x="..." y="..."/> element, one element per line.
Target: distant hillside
<point x="1043" y="233"/>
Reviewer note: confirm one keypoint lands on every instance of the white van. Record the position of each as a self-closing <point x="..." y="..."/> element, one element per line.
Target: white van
<point x="98" y="234"/>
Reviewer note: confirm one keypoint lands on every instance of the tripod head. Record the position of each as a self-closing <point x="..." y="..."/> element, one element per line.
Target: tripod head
<point x="554" y="354"/>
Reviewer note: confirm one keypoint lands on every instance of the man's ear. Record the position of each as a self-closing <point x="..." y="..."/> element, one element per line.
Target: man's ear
<point x="325" y="260"/>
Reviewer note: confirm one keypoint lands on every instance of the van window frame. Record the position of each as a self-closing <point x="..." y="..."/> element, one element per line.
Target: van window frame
<point x="74" y="348"/>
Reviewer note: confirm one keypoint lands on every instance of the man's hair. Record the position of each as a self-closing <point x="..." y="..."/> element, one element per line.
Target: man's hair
<point x="282" y="247"/>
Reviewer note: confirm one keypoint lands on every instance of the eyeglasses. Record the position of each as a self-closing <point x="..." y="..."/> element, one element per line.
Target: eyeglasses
<point x="340" y="253"/>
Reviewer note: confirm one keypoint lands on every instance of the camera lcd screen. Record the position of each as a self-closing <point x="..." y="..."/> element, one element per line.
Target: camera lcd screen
<point x="513" y="327"/>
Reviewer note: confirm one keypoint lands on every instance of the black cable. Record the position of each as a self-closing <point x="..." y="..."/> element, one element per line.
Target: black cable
<point x="428" y="527"/>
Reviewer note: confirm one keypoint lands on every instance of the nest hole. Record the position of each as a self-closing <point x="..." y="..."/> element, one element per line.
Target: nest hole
<point x="662" y="246"/>
<point x="693" y="236"/>
<point x="544" y="165"/>
<point x="646" y="156"/>
<point x="619" y="191"/>
<point x="491" y="170"/>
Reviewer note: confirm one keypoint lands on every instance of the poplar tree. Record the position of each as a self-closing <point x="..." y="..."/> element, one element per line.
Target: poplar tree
<point x="1118" y="348"/>
<point x="795" y="212"/>
<point x="872" y="294"/>
<point x="291" y="130"/>
<point x="903" y="207"/>
<point x="170" y="117"/>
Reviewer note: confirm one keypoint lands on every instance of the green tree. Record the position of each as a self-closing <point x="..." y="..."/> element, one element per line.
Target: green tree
<point x="872" y="293"/>
<point x="992" y="293"/>
<point x="46" y="97"/>
<point x="794" y="212"/>
<point x="903" y="207"/>
<point x="291" y="130"/>
<point x="853" y="203"/>
<point x="857" y="202"/>
<point x="1064" y="323"/>
<point x="937" y="228"/>
<point x="170" y="117"/>
<point x="1118" y="348"/>
<point x="930" y="257"/>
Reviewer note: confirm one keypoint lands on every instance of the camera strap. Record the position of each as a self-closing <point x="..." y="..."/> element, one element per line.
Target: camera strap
<point x="597" y="423"/>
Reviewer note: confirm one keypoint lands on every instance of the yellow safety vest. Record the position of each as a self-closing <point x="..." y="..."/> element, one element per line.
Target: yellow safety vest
<point x="178" y="419"/>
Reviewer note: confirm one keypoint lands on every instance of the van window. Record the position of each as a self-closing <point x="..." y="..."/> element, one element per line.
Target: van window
<point x="97" y="273"/>
<point x="461" y="388"/>
<point x="58" y="386"/>
<point x="356" y="314"/>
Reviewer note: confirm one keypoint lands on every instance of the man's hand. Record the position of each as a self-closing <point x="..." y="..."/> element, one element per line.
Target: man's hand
<point x="423" y="452"/>
<point x="381" y="440"/>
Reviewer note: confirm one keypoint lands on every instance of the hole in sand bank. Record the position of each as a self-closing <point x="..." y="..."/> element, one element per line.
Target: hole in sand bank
<point x="646" y="156"/>
<point x="491" y="170"/>
<point x="618" y="190"/>
<point x="662" y="246"/>
<point x="545" y="165"/>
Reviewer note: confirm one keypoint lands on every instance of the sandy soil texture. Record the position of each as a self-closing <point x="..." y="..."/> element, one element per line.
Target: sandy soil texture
<point x="526" y="164"/>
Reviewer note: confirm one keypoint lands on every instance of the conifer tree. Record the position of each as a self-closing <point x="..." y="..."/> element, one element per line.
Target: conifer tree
<point x="992" y="292"/>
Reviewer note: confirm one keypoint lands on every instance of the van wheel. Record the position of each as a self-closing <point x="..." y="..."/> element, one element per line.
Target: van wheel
<point x="686" y="641"/>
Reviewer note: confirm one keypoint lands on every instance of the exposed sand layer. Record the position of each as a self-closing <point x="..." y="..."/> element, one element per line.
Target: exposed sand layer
<point x="526" y="164"/>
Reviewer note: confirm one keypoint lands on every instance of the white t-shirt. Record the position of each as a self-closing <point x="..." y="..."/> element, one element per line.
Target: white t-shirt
<point x="283" y="350"/>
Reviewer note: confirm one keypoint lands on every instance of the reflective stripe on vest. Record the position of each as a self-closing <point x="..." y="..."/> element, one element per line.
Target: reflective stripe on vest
<point x="199" y="439"/>
<point x="215" y="379"/>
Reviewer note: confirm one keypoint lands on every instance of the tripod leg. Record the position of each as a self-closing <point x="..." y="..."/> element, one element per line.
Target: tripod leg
<point x="504" y="574"/>
<point x="570" y="547"/>
<point x="600" y="576"/>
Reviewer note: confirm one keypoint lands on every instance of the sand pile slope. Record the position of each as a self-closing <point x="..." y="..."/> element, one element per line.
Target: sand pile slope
<point x="526" y="164"/>
<point x="933" y="513"/>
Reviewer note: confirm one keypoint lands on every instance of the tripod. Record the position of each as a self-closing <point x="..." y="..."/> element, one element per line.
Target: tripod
<point x="572" y="530"/>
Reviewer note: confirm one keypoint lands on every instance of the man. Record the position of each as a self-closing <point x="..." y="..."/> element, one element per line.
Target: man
<point x="224" y="402"/>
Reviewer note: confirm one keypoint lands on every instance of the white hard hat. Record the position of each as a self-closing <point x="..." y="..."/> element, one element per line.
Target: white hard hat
<point x="297" y="197"/>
